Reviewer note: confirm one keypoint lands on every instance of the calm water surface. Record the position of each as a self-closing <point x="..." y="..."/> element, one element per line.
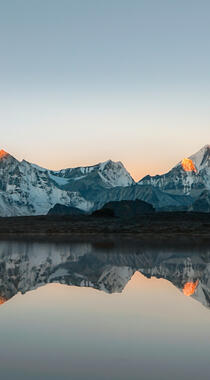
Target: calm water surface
<point x="85" y="311"/>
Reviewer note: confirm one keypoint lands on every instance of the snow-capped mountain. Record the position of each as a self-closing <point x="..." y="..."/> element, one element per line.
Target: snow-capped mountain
<point x="26" y="266"/>
<point x="27" y="189"/>
<point x="190" y="176"/>
<point x="107" y="174"/>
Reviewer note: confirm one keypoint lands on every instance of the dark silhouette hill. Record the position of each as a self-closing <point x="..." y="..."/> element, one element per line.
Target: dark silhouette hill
<point x="125" y="209"/>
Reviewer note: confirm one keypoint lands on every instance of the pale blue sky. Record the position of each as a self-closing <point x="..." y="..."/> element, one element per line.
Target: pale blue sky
<point x="86" y="80"/>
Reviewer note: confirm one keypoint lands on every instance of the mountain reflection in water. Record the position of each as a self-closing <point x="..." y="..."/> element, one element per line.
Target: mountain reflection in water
<point x="25" y="266"/>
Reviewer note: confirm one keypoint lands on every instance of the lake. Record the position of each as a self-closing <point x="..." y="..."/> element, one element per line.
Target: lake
<point x="104" y="310"/>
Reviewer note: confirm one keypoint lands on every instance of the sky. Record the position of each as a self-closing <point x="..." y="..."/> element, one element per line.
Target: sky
<point x="83" y="81"/>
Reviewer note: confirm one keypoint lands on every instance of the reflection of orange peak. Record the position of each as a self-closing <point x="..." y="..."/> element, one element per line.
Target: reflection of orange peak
<point x="188" y="165"/>
<point x="2" y="300"/>
<point x="189" y="288"/>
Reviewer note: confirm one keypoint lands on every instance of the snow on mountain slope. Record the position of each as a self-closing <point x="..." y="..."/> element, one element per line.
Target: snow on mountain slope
<point x="27" y="190"/>
<point x="201" y="159"/>
<point x="190" y="176"/>
<point x="108" y="173"/>
<point x="115" y="174"/>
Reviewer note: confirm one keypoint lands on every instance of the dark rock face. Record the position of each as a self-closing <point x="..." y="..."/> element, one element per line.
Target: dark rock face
<point x="202" y="203"/>
<point x="125" y="209"/>
<point x="160" y="200"/>
<point x="59" y="209"/>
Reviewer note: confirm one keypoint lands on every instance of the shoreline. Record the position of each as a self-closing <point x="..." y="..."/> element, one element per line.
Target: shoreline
<point x="167" y="226"/>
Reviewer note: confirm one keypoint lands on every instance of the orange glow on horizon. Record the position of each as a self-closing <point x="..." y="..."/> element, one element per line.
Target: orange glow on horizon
<point x="190" y="288"/>
<point x="188" y="165"/>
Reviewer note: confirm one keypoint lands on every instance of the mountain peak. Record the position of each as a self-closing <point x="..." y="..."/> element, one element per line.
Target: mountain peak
<point x="110" y="163"/>
<point x="196" y="161"/>
<point x="188" y="165"/>
<point x="3" y="153"/>
<point x="190" y="176"/>
<point x="201" y="157"/>
<point x="115" y="174"/>
<point x="207" y="146"/>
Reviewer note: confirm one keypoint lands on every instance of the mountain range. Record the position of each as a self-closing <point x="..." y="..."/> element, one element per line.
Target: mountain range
<point x="25" y="266"/>
<point x="28" y="189"/>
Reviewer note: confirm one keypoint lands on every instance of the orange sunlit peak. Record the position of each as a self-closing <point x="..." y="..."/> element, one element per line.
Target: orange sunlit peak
<point x="188" y="165"/>
<point x="190" y="288"/>
<point x="3" y="153"/>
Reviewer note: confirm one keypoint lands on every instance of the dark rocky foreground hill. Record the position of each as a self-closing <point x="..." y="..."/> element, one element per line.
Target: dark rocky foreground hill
<point x="120" y="209"/>
<point x="59" y="209"/>
<point x="125" y="209"/>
